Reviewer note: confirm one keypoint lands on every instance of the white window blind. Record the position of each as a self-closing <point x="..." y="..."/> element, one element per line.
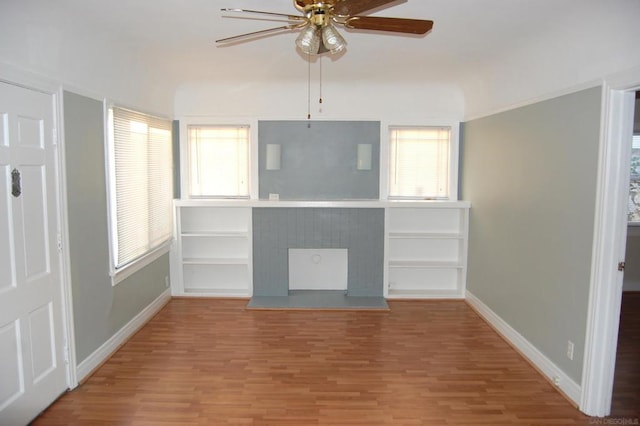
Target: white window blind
<point x="419" y="162"/>
<point x="142" y="184"/>
<point x="218" y="161"/>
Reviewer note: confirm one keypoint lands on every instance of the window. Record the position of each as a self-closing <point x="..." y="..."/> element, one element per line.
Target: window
<point x="419" y="162"/>
<point x="141" y="184"/>
<point x="218" y="161"/>
<point x="634" y="182"/>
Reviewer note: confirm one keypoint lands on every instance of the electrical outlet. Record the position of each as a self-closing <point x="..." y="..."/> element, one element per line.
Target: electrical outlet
<point x="570" y="350"/>
<point x="556" y="380"/>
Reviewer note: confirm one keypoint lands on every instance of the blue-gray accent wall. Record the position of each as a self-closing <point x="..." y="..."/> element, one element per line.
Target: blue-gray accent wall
<point x="360" y="230"/>
<point x="318" y="160"/>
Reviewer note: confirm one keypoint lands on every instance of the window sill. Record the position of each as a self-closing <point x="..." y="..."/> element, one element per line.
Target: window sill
<point x="218" y="197"/>
<point x="416" y="198"/>
<point x="125" y="272"/>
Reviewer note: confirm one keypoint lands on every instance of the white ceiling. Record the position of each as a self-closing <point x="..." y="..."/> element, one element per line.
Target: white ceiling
<point x="492" y="53"/>
<point x="466" y="33"/>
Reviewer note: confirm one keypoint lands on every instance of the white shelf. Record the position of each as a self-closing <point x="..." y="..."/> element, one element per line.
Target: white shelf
<point x="228" y="234"/>
<point x="424" y="264"/>
<point x="213" y="250"/>
<point x="220" y="292"/>
<point x="426" y="235"/>
<point x="424" y="294"/>
<point x="426" y="251"/>
<point x="215" y="261"/>
<point x="397" y="204"/>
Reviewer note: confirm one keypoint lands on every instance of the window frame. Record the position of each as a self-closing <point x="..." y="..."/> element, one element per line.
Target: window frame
<point x="186" y="122"/>
<point x="119" y="274"/>
<point x="385" y="154"/>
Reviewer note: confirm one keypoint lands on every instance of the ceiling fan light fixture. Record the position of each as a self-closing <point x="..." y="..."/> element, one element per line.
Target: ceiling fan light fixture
<point x="309" y="40"/>
<point x="318" y="34"/>
<point x="332" y="39"/>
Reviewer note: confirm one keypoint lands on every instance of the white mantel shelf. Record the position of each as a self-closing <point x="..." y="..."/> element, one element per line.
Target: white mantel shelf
<point x="434" y="204"/>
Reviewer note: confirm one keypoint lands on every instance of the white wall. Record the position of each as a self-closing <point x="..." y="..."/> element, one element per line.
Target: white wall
<point x="394" y="102"/>
<point x="36" y="36"/>
<point x="571" y="51"/>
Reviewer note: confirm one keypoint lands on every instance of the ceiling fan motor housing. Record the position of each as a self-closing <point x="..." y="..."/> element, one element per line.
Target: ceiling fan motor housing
<point x="318" y="14"/>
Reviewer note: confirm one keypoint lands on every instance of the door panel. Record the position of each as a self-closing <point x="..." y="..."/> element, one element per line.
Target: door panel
<point x="7" y="276"/>
<point x="11" y="367"/>
<point x="34" y="222"/>
<point x="42" y="333"/>
<point x="32" y="374"/>
<point x="30" y="132"/>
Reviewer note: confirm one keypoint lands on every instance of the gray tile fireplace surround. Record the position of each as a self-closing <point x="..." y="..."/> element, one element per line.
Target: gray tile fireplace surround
<point x="359" y="230"/>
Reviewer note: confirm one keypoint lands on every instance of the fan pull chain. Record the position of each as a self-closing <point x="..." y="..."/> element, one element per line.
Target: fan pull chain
<point x="309" y="86"/>
<point x="320" y="62"/>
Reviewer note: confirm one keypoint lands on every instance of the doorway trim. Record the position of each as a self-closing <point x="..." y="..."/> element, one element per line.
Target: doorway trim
<point x="19" y="77"/>
<point x="609" y="237"/>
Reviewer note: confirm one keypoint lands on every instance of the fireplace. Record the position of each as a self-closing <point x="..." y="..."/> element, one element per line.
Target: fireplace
<point x="354" y="236"/>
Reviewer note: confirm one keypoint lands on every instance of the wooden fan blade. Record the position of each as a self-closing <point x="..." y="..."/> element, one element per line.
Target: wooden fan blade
<point x="256" y="33"/>
<point x="356" y="7"/>
<point x="302" y="3"/>
<point x="290" y="17"/>
<point x="396" y="25"/>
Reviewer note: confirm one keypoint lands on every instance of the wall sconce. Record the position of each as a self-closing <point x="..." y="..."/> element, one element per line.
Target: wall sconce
<point x="273" y="157"/>
<point x="364" y="156"/>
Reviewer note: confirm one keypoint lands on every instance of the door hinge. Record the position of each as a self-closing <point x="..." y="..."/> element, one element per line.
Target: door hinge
<point x="55" y="136"/>
<point x="59" y="242"/>
<point x="621" y="266"/>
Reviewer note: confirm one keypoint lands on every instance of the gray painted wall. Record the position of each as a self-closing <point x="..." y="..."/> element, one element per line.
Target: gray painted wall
<point x="99" y="309"/>
<point x="530" y="174"/>
<point x="275" y="230"/>
<point x="318" y="160"/>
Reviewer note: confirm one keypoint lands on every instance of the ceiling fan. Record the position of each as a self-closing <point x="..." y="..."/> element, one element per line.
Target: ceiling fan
<point x="318" y="33"/>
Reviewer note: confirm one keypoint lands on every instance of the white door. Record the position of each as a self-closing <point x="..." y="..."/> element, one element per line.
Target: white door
<point x="32" y="367"/>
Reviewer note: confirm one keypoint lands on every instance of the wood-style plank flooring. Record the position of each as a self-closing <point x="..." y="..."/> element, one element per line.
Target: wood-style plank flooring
<point x="626" y="382"/>
<point x="210" y="362"/>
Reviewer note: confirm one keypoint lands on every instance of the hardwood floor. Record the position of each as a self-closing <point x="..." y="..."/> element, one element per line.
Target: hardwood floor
<point x="626" y="382"/>
<point x="209" y="362"/>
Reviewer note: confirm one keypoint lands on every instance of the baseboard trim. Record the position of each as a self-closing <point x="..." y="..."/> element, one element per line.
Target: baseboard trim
<point x="100" y="355"/>
<point x="569" y="388"/>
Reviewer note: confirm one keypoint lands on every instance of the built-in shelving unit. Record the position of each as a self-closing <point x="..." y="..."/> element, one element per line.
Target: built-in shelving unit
<point x="213" y="250"/>
<point x="427" y="250"/>
<point x="425" y="246"/>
